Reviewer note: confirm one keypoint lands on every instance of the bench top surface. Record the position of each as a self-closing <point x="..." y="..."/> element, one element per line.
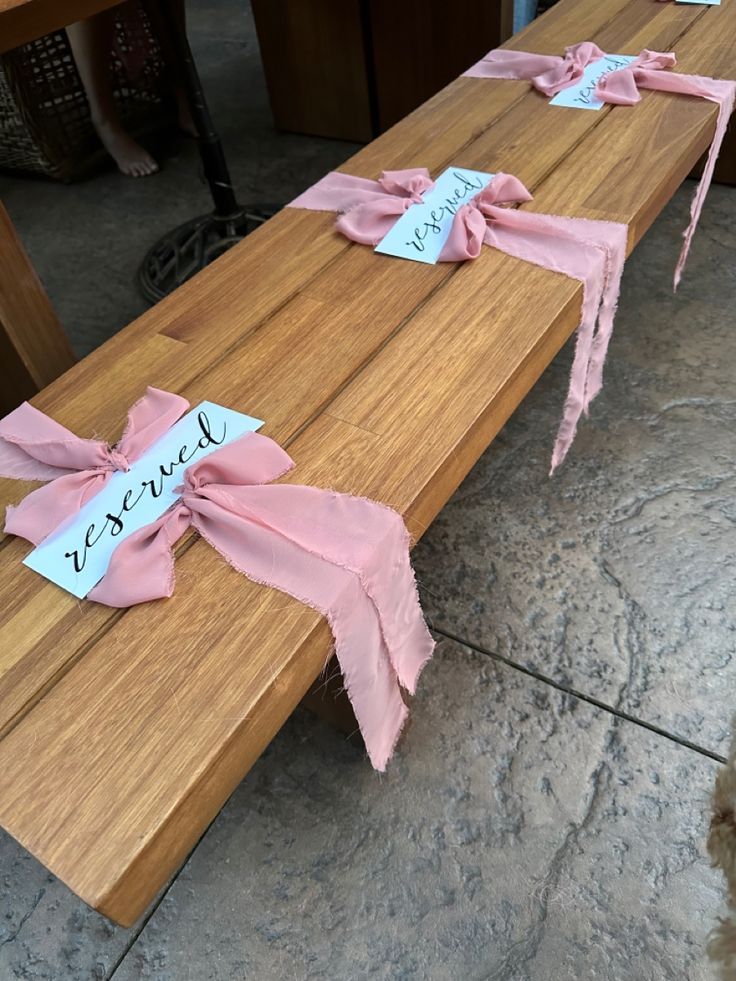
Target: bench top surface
<point x="123" y="732"/>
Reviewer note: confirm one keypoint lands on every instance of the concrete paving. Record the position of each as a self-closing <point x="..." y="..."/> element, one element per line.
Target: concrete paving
<point x="545" y="816"/>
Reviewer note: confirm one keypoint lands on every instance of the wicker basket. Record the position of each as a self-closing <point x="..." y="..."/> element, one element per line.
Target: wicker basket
<point x="45" y="126"/>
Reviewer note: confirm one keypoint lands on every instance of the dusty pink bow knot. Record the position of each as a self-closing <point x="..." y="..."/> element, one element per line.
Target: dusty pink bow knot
<point x="35" y="447"/>
<point x="369" y="209"/>
<point x="470" y="227"/>
<point x="621" y="88"/>
<point x="570" y="70"/>
<point x="547" y="73"/>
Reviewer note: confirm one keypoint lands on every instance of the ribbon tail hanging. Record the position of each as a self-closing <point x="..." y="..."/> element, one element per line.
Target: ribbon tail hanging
<point x="621" y="88"/>
<point x="724" y="94"/>
<point x="369" y="540"/>
<point x="592" y="252"/>
<point x="232" y="520"/>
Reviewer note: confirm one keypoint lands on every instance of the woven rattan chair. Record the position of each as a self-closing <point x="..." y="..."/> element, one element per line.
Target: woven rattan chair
<point x="45" y="126"/>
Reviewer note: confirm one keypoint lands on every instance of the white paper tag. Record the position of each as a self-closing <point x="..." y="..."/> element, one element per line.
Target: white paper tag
<point x="423" y="229"/>
<point x="582" y="95"/>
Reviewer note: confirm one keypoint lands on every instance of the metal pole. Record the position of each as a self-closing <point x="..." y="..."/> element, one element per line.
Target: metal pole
<point x="210" y="148"/>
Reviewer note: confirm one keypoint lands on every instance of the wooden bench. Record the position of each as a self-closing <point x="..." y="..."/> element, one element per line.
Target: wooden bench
<point x="123" y="732"/>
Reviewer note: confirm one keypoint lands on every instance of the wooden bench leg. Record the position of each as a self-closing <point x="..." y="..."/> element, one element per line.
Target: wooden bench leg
<point x="33" y="347"/>
<point x="506" y="16"/>
<point x="725" y="172"/>
<point x="328" y="700"/>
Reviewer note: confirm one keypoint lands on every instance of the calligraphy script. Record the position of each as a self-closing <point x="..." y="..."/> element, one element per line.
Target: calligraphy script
<point x="151" y="488"/>
<point x="421" y="232"/>
<point x="582" y="95"/>
<point x="465" y="188"/>
<point x="77" y="554"/>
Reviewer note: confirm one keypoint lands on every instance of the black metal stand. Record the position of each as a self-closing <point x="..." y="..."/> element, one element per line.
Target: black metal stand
<point x="181" y="253"/>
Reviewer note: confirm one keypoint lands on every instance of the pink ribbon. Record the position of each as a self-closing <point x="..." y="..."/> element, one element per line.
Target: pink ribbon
<point x="346" y="557"/>
<point x="649" y="72"/>
<point x="550" y="74"/>
<point x="592" y="252"/>
<point x="34" y="447"/>
<point x="369" y="209"/>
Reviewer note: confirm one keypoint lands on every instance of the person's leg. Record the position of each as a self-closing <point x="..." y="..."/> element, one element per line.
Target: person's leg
<point x="91" y="42"/>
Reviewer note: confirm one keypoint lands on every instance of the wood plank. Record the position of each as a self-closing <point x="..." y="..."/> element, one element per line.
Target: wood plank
<point x="22" y="21"/>
<point x="170" y="764"/>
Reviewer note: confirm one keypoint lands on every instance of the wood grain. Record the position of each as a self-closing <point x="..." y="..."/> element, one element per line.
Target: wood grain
<point x="163" y="708"/>
<point x="22" y="21"/>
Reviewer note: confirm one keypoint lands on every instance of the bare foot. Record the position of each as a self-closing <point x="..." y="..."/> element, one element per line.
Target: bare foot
<point x="186" y="123"/>
<point x="130" y="156"/>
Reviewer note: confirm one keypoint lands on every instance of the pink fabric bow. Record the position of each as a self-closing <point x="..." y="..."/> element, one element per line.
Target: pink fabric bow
<point x="369" y="208"/>
<point x="34" y="447"/>
<point x="346" y="557"/>
<point x="592" y="252"/>
<point x="550" y="74"/>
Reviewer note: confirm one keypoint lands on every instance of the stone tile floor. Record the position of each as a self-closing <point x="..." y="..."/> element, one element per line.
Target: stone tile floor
<point x="545" y="817"/>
